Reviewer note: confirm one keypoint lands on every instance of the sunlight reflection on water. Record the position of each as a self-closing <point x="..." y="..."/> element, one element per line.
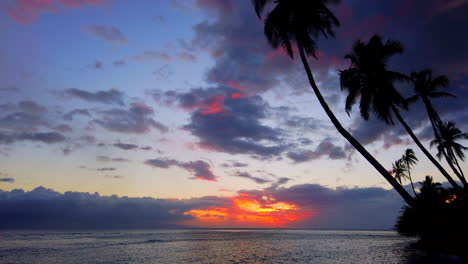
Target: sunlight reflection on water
<point x="211" y="246"/>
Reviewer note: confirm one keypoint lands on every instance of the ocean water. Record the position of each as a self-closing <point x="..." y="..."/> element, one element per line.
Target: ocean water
<point x="211" y="246"/>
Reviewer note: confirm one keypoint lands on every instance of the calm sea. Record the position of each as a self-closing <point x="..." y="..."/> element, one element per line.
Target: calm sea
<point x="211" y="246"/>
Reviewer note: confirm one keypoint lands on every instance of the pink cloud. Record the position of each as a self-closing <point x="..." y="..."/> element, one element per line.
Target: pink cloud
<point x="29" y="11"/>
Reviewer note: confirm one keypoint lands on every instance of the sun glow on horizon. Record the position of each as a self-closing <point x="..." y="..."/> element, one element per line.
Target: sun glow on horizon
<point x="249" y="211"/>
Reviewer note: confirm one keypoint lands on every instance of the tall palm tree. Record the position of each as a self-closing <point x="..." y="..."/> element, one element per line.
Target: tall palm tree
<point x="410" y="159"/>
<point x="447" y="142"/>
<point x="369" y="79"/>
<point x="301" y="23"/>
<point x="399" y="170"/>
<point x="427" y="87"/>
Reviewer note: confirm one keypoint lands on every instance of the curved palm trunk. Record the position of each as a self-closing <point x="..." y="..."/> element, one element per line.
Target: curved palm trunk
<point x="404" y="194"/>
<point x="411" y="180"/>
<point x="463" y="175"/>
<point x="435" y="120"/>
<point x="424" y="150"/>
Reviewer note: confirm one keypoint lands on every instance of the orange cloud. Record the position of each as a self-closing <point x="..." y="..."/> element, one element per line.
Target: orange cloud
<point x="249" y="211"/>
<point x="28" y="11"/>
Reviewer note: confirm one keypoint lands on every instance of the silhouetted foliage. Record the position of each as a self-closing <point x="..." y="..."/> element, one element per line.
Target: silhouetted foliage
<point x="428" y="87"/>
<point x="369" y="79"/>
<point x="410" y="159"/>
<point x="399" y="170"/>
<point x="302" y="22"/>
<point x="439" y="217"/>
<point x="447" y="145"/>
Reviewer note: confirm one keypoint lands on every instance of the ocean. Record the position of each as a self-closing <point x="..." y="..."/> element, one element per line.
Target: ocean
<point x="211" y="246"/>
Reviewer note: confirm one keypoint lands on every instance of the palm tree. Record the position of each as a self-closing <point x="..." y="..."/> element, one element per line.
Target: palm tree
<point x="399" y="170"/>
<point x="430" y="188"/>
<point x="301" y="23"/>
<point x="410" y="159"/>
<point x="369" y="79"/>
<point x="447" y="143"/>
<point x="427" y="87"/>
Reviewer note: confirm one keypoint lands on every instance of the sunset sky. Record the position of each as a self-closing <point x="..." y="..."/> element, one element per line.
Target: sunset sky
<point x="185" y="103"/>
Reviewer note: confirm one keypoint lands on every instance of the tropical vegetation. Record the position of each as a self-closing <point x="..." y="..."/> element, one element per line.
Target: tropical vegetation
<point x="438" y="215"/>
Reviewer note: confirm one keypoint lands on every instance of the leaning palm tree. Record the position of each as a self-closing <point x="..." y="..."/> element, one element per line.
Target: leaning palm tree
<point x="447" y="143"/>
<point x="301" y="23"/>
<point x="369" y="79"/>
<point x="399" y="170"/>
<point x="410" y="159"/>
<point x="428" y="87"/>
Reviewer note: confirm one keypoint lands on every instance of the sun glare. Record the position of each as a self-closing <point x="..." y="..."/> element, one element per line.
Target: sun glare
<point x="247" y="211"/>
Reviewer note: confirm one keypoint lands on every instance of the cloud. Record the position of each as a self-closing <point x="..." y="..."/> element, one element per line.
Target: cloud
<point x="340" y="208"/>
<point x="107" y="33"/>
<point x="187" y="57"/>
<point x="245" y="62"/>
<point x="232" y="125"/>
<point x="44" y="208"/>
<point x="71" y="114"/>
<point x="117" y="177"/>
<point x="247" y="175"/>
<point x="111" y="96"/>
<point x="152" y="55"/>
<point x="9" y="180"/>
<point x="106" y="169"/>
<point x="234" y="164"/>
<point x="137" y="120"/>
<point x="325" y="149"/>
<point x="28" y="11"/>
<point x="200" y="169"/>
<point x="44" y="137"/>
<point x="109" y="159"/>
<point x="299" y="206"/>
<point x="23" y="116"/>
<point x="125" y="146"/>
<point x="118" y="63"/>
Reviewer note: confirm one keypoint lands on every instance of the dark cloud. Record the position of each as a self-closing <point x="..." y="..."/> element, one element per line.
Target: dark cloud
<point x="340" y="208"/>
<point x="247" y="175"/>
<point x="146" y="148"/>
<point x="44" y="208"/>
<point x="23" y="116"/>
<point x="107" y="33"/>
<point x="63" y="128"/>
<point x="125" y="146"/>
<point x="233" y="125"/>
<point x="137" y="119"/>
<point x="200" y="169"/>
<point x="10" y="180"/>
<point x="71" y="114"/>
<point x="44" y="137"/>
<point x="245" y="62"/>
<point x="234" y="164"/>
<point x="111" y="96"/>
<point x="326" y="149"/>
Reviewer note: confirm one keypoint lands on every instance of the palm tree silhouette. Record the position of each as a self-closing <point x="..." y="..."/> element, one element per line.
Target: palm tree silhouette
<point x="447" y="143"/>
<point x="369" y="79"/>
<point x="427" y="87"/>
<point x="410" y="159"/>
<point x="301" y="23"/>
<point x="399" y="170"/>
